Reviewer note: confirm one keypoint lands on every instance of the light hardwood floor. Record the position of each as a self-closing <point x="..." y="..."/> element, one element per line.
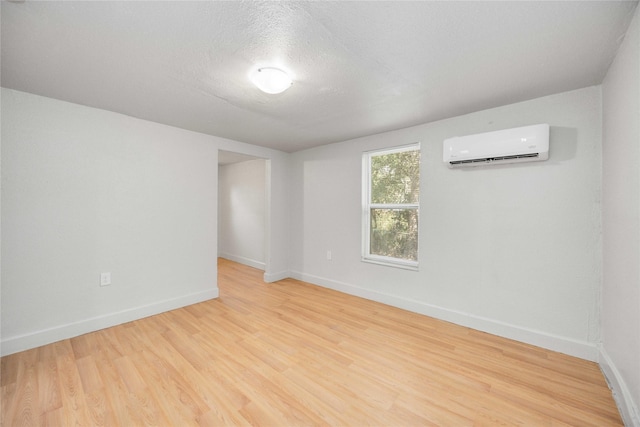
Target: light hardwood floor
<point x="289" y="353"/>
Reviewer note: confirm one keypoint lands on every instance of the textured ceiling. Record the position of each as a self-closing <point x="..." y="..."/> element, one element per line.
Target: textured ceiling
<point x="359" y="67"/>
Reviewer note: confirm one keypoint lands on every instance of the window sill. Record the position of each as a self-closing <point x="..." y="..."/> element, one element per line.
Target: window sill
<point x="390" y="262"/>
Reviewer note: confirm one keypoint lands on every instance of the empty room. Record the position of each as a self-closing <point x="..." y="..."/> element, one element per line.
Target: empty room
<point x="345" y="213"/>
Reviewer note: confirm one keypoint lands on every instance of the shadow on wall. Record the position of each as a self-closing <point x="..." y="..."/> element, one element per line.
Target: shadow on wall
<point x="563" y="144"/>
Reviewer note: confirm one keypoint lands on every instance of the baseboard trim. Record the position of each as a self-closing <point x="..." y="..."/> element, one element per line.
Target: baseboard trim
<point x="274" y="277"/>
<point x="242" y="260"/>
<point x="47" y="336"/>
<point x="621" y="394"/>
<point x="572" y="347"/>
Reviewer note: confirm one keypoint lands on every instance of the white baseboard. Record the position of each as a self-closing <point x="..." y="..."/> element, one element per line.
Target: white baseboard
<point x="581" y="349"/>
<point x="274" y="277"/>
<point x="47" y="336"/>
<point x="621" y="394"/>
<point x="242" y="260"/>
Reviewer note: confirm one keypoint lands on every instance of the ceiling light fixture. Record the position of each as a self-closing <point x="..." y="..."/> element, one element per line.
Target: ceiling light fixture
<point x="271" y="80"/>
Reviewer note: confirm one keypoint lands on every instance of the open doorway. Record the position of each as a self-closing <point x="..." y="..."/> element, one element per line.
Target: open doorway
<point x="242" y="208"/>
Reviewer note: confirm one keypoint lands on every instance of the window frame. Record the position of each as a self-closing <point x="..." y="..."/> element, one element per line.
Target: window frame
<point x="367" y="256"/>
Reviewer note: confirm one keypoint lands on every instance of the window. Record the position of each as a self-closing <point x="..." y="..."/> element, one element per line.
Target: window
<point x="391" y="201"/>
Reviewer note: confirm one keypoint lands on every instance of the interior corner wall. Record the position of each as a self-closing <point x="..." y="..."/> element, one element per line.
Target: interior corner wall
<point x="241" y="212"/>
<point x="513" y="250"/>
<point x="86" y="191"/>
<point x="620" y="354"/>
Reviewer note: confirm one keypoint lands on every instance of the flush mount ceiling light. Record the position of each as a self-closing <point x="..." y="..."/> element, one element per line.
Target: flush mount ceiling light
<point x="271" y="80"/>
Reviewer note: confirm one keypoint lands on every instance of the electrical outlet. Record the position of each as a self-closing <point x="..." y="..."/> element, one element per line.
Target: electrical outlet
<point x="105" y="279"/>
<point x="329" y="255"/>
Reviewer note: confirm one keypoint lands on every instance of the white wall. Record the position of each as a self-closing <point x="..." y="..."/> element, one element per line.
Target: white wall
<point x="514" y="250"/>
<point x="241" y="212"/>
<point x="86" y="191"/>
<point x="620" y="355"/>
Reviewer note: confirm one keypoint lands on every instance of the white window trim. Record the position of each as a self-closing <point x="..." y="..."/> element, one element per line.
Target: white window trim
<point x="366" y="206"/>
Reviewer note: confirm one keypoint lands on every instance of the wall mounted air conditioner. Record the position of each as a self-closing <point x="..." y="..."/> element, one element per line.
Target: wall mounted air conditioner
<point x="523" y="144"/>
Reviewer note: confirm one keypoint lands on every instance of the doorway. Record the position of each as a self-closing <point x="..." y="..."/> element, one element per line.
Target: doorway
<point x="242" y="208"/>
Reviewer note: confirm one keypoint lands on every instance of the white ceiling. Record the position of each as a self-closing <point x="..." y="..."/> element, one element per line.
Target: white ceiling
<point x="359" y="67"/>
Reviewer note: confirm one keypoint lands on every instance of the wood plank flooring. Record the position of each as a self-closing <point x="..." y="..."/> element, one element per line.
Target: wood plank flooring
<point x="288" y="354"/>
